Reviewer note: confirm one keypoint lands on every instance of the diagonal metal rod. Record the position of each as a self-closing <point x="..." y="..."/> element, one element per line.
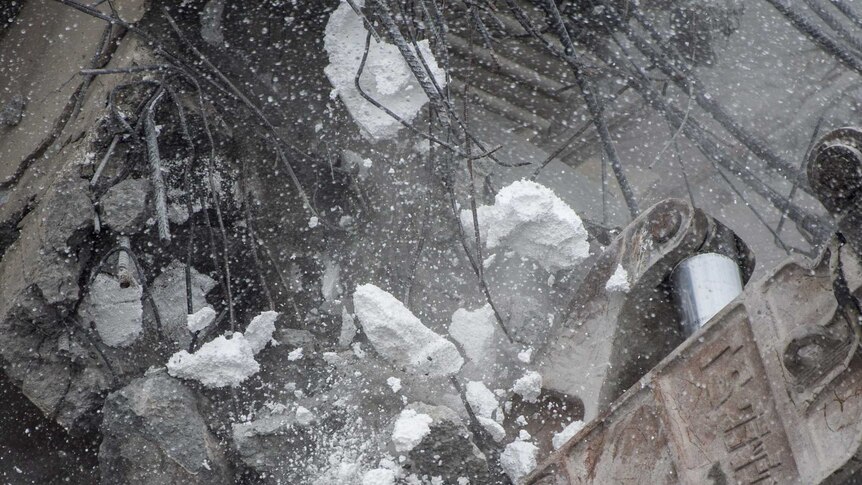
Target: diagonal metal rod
<point x="695" y="132"/>
<point x="688" y="82"/>
<point x="848" y="12"/>
<point x="829" y="19"/>
<point x="588" y="90"/>
<point x="816" y="35"/>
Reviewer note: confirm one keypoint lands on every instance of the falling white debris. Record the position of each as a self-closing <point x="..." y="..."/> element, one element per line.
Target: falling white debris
<point x="474" y="330"/>
<point x="304" y="417"/>
<point x="567" y="433"/>
<point x="410" y="428"/>
<point x="348" y="329"/>
<point x="386" y="77"/>
<point x="529" y="386"/>
<point x="313" y="221"/>
<point x="357" y="350"/>
<point x="619" y="281"/>
<point x="379" y="476"/>
<point x="493" y="428"/>
<point x="518" y="459"/>
<point x="219" y="363"/>
<point x="295" y="354"/>
<point x="116" y="311"/>
<point x="201" y="319"/>
<point x="482" y="401"/>
<point x="394" y="383"/>
<point x="259" y="331"/>
<point x="526" y="355"/>
<point x="400" y="337"/>
<point x="489" y="261"/>
<point x="330" y="283"/>
<point x="531" y="220"/>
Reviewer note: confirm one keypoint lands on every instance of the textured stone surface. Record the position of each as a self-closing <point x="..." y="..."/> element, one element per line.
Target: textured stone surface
<point x="169" y="293"/>
<point x="448" y="450"/>
<point x="154" y="434"/>
<point x="124" y="206"/>
<point x="55" y="367"/>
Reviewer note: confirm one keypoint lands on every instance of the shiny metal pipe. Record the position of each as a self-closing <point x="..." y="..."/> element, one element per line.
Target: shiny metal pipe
<point x="702" y="285"/>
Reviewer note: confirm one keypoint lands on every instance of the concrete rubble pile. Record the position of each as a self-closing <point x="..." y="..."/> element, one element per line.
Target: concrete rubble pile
<point x="196" y="317"/>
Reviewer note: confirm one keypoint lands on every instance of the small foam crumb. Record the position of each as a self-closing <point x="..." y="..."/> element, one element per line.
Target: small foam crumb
<point x="518" y="459"/>
<point x="482" y="401"/>
<point x="410" y="428"/>
<point x="493" y="428"/>
<point x="379" y="476"/>
<point x="304" y="417"/>
<point x="567" y="433"/>
<point x="394" y="383"/>
<point x="259" y="331"/>
<point x="526" y="355"/>
<point x="529" y="386"/>
<point x="295" y="354"/>
<point x="201" y="319"/>
<point x="619" y="281"/>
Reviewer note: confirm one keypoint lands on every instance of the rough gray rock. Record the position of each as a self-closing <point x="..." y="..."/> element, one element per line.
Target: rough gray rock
<point x="12" y="110"/>
<point x="261" y="442"/>
<point x="124" y="206"/>
<point x="169" y="293"/>
<point x="53" y="361"/>
<point x="448" y="450"/>
<point x="154" y="434"/>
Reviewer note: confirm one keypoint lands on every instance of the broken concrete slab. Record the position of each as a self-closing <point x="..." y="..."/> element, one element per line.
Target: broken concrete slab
<point x="153" y="433"/>
<point x="169" y="293"/>
<point x="116" y="312"/>
<point x="124" y="206"/>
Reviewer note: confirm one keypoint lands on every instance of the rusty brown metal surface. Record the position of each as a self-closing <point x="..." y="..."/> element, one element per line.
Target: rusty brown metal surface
<point x="769" y="391"/>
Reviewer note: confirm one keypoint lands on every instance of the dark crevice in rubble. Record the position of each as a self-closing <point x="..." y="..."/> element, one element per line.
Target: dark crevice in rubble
<point x="10" y="230"/>
<point x="35" y="448"/>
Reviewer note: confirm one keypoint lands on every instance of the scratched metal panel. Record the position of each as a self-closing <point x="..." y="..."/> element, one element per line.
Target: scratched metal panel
<point x="631" y="447"/>
<point x="723" y="420"/>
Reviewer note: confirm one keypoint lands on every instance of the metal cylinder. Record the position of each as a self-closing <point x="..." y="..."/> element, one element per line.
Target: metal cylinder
<point x="702" y="286"/>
